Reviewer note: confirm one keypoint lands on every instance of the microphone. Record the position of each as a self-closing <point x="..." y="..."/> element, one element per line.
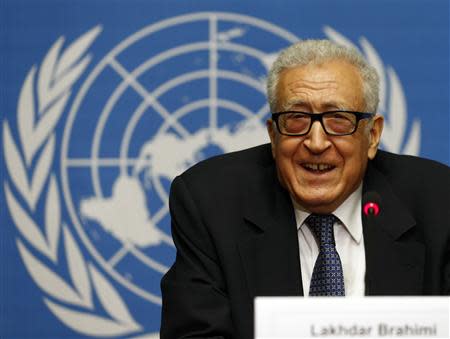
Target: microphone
<point x="371" y="204"/>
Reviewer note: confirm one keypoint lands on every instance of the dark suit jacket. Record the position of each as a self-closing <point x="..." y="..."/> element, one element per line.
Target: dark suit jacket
<point x="236" y="237"/>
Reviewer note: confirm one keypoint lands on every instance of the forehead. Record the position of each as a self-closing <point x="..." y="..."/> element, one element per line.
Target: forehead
<point x="330" y="84"/>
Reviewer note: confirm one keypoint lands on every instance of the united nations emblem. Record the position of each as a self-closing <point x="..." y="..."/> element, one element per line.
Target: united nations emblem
<point x="168" y="96"/>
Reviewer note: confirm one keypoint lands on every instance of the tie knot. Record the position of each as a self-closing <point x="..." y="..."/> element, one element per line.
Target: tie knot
<point x="321" y="225"/>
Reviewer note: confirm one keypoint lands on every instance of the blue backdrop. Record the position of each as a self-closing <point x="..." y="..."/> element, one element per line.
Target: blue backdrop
<point x="104" y="102"/>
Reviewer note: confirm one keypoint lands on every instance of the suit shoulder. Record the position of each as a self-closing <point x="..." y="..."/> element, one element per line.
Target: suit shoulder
<point x="391" y="163"/>
<point x="222" y="180"/>
<point x="413" y="173"/>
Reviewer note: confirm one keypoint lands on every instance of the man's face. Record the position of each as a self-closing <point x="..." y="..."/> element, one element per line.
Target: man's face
<point x="320" y="171"/>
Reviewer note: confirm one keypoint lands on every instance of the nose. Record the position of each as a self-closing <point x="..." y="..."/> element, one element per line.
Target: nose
<point x="316" y="141"/>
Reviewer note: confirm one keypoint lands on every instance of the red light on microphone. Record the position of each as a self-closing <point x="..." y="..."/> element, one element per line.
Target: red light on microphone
<point x="371" y="208"/>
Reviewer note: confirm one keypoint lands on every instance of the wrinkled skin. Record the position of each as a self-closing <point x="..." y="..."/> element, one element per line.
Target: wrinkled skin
<point x="342" y="159"/>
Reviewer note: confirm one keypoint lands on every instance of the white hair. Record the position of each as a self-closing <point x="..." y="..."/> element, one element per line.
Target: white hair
<point x="318" y="52"/>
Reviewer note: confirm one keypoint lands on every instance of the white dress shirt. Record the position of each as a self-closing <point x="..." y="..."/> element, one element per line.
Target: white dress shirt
<point x="349" y="244"/>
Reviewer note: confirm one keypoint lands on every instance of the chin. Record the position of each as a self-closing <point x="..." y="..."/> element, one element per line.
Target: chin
<point x="316" y="203"/>
<point x="322" y="209"/>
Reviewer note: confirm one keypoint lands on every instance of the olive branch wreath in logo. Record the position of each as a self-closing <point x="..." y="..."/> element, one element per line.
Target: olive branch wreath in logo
<point x="393" y="106"/>
<point x="43" y="98"/>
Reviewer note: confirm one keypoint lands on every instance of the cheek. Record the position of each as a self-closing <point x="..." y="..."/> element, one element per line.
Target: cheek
<point x="285" y="152"/>
<point x="285" y="146"/>
<point x="354" y="156"/>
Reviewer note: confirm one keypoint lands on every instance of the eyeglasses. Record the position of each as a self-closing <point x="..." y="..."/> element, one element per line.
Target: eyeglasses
<point x="333" y="122"/>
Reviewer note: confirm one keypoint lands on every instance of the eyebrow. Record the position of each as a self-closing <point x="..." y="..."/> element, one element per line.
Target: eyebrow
<point x="293" y="102"/>
<point x="330" y="105"/>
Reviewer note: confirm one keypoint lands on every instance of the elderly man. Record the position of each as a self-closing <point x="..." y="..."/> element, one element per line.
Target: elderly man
<point x="276" y="219"/>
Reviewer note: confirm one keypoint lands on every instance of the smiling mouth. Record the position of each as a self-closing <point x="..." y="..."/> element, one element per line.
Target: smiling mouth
<point x="318" y="168"/>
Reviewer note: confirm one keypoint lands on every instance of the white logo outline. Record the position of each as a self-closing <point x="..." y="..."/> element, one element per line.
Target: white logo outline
<point x="64" y="68"/>
<point x="57" y="74"/>
<point x="129" y="78"/>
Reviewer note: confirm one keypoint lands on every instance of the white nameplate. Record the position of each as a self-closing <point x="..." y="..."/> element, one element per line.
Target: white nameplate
<point x="336" y="317"/>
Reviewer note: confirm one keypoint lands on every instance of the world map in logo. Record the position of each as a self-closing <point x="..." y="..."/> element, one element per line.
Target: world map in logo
<point x="159" y="102"/>
<point x="170" y="95"/>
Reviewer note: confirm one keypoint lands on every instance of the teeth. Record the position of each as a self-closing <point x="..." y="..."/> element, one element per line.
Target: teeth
<point x="318" y="167"/>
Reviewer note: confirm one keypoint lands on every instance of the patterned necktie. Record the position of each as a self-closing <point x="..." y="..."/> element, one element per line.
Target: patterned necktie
<point x="327" y="278"/>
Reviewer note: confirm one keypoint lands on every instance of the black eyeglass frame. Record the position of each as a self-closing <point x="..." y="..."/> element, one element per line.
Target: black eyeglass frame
<point x="319" y="117"/>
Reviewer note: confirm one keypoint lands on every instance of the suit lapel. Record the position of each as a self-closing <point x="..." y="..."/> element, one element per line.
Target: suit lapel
<point x="269" y="245"/>
<point x="269" y="250"/>
<point x="394" y="260"/>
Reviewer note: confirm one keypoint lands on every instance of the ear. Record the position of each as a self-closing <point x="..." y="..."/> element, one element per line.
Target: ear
<point x="375" y="135"/>
<point x="271" y="129"/>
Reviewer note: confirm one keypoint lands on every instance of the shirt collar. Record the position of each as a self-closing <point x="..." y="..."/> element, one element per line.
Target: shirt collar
<point x="349" y="214"/>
